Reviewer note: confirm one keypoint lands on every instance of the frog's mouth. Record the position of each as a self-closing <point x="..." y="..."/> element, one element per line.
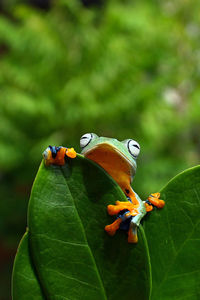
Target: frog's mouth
<point x="112" y="160"/>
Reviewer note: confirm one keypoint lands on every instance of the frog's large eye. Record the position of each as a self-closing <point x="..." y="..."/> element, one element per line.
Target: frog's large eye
<point x="133" y="148"/>
<point x="86" y="139"/>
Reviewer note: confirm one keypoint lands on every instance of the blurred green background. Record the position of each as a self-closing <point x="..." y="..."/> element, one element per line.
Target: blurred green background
<point x="123" y="69"/>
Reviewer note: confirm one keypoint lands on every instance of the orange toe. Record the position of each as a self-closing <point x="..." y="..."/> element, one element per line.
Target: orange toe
<point x="113" y="210"/>
<point x="70" y="152"/>
<point x="112" y="228"/>
<point x="161" y="204"/>
<point x="132" y="238"/>
<point x="148" y="207"/>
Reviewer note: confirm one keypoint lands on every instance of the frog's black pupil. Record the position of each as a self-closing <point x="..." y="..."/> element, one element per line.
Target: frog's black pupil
<point x="127" y="191"/>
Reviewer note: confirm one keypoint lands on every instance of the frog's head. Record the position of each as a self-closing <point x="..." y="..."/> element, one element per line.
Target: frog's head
<point x="117" y="158"/>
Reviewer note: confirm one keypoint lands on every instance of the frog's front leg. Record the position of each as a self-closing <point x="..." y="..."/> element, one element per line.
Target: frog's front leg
<point x="129" y="216"/>
<point x="56" y="155"/>
<point x="119" y="206"/>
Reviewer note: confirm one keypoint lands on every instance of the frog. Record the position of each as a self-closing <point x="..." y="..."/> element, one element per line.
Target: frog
<point x="118" y="159"/>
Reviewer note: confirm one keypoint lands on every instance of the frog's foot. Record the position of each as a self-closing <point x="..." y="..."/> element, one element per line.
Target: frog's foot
<point x="153" y="200"/>
<point x="132" y="233"/>
<point x="56" y="155"/>
<point x="112" y="228"/>
<point x="148" y="206"/>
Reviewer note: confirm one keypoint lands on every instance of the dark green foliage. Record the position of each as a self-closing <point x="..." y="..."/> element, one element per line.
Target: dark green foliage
<point x="26" y="284"/>
<point x="67" y="255"/>
<point x="173" y="239"/>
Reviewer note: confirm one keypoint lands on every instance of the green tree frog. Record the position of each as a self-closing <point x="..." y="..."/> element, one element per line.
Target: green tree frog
<point x="118" y="159"/>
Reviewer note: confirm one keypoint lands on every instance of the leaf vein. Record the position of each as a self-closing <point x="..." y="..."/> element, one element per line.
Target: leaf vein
<point x="184" y="274"/>
<point x="61" y="241"/>
<point x="73" y="278"/>
<point x="179" y="250"/>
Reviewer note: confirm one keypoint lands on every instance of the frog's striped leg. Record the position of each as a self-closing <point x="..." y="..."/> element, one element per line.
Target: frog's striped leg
<point x="56" y="155"/>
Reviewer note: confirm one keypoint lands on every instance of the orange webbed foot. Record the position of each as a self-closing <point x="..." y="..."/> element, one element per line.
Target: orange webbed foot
<point x="148" y="207"/>
<point x="124" y="210"/>
<point x="113" y="210"/>
<point x="56" y="155"/>
<point x="154" y="200"/>
<point x="112" y="228"/>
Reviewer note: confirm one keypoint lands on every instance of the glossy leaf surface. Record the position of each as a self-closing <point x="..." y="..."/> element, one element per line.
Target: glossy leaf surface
<point x="72" y="255"/>
<point x="25" y="282"/>
<point x="67" y="255"/>
<point x="173" y="236"/>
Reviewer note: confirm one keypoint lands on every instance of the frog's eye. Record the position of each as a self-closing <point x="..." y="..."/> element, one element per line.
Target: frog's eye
<point x="133" y="148"/>
<point x="86" y="139"/>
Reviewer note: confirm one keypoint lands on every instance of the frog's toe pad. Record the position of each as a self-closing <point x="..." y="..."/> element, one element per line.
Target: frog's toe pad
<point x="113" y="210"/>
<point x="132" y="237"/>
<point x="47" y="154"/>
<point x="71" y="152"/>
<point x="155" y="201"/>
<point x="161" y="204"/>
<point x="112" y="228"/>
<point x="148" y="207"/>
<point x="156" y="195"/>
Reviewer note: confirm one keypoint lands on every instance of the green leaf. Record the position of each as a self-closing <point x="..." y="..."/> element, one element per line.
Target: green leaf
<point x="25" y="282"/>
<point x="73" y="256"/>
<point x="67" y="255"/>
<point x="173" y="236"/>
